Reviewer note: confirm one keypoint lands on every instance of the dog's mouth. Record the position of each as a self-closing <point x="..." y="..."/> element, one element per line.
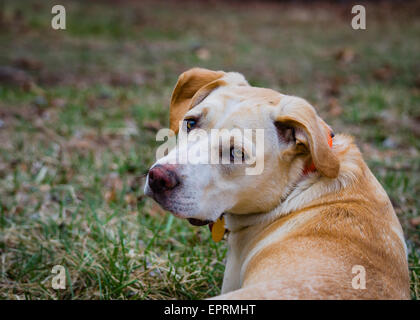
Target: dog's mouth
<point x="192" y="221"/>
<point x="198" y="222"/>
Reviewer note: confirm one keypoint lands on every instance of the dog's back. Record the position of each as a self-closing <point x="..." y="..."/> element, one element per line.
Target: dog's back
<point x="343" y="245"/>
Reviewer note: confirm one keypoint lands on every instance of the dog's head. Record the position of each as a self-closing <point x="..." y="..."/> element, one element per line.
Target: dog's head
<point x="201" y="190"/>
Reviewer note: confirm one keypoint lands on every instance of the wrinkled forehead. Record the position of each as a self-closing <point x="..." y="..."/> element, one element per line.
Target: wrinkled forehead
<point x="237" y="107"/>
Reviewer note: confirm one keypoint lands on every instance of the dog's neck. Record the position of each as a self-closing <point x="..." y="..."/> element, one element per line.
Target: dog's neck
<point x="303" y="192"/>
<point x="295" y="199"/>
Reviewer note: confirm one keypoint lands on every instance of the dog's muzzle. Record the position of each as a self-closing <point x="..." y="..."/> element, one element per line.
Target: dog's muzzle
<point x="162" y="180"/>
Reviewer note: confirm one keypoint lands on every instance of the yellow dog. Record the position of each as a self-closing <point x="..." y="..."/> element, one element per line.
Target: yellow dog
<point x="314" y="224"/>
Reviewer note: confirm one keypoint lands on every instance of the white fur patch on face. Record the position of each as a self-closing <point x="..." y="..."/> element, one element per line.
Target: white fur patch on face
<point x="202" y="194"/>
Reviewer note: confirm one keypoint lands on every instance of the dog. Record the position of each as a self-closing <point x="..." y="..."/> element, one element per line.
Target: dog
<point x="314" y="224"/>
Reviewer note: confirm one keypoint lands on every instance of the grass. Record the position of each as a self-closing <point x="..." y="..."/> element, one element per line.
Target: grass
<point x="78" y="135"/>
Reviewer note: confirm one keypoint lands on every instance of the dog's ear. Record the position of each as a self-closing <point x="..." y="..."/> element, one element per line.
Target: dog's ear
<point x="310" y="131"/>
<point x="192" y="87"/>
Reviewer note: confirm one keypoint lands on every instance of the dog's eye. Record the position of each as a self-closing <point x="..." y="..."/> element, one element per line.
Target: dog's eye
<point x="236" y="153"/>
<point x="191" y="123"/>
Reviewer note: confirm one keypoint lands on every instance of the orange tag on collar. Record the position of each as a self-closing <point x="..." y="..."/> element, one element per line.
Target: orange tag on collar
<point x="218" y="229"/>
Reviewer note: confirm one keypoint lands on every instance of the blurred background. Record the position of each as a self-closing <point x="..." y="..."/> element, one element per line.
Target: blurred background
<point x="79" y="110"/>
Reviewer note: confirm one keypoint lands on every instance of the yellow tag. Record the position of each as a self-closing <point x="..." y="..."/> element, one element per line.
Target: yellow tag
<point x="218" y="230"/>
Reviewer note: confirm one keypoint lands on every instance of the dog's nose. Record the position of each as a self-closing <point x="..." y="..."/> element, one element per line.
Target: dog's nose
<point x="162" y="178"/>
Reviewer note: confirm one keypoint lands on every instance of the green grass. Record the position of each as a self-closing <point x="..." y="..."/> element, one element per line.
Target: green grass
<point x="76" y="143"/>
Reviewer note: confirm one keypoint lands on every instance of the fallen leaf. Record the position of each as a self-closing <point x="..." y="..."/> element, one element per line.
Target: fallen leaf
<point x="113" y="181"/>
<point x="334" y="107"/>
<point x="136" y="182"/>
<point x="15" y="77"/>
<point x="130" y="199"/>
<point x="44" y="188"/>
<point x="77" y="143"/>
<point x="18" y="209"/>
<point x="203" y="54"/>
<point x="417" y="81"/>
<point x="384" y="73"/>
<point x="333" y="87"/>
<point x="414" y="126"/>
<point x="152" y="125"/>
<point x="110" y="195"/>
<point x="141" y="197"/>
<point x="345" y="55"/>
<point x="123" y="80"/>
<point x="415" y="221"/>
<point x="51" y="78"/>
<point x="27" y="63"/>
<point x="58" y="102"/>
